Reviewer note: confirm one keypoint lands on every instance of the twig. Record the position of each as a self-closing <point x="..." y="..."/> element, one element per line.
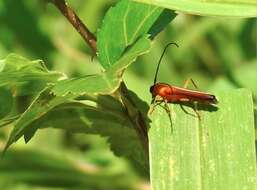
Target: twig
<point x="76" y="23"/>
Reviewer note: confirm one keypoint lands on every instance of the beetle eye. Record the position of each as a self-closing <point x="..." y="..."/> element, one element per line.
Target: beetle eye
<point x="151" y="89"/>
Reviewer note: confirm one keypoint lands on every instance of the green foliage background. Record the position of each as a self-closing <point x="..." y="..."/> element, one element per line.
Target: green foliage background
<point x="218" y="53"/>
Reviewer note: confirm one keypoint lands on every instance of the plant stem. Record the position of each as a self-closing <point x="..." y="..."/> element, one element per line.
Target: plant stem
<point x="76" y="22"/>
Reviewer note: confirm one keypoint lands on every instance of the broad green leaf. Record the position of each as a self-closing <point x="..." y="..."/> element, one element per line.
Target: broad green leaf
<point x="216" y="152"/>
<point x="123" y="25"/>
<point x="24" y="76"/>
<point x="236" y="8"/>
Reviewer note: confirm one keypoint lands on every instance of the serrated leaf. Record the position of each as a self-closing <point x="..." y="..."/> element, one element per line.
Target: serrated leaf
<point x="104" y="116"/>
<point x="66" y="91"/>
<point x="41" y="105"/>
<point x="101" y="115"/>
<point x="123" y="25"/>
<point x="216" y="152"/>
<point x="24" y="76"/>
<point x="237" y="8"/>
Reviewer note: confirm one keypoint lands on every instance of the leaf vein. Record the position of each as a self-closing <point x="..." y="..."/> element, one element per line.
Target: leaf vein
<point x="125" y="26"/>
<point x="142" y="22"/>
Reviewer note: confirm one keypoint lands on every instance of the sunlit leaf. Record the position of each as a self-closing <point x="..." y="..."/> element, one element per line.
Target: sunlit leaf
<point x="215" y="152"/>
<point x="124" y="24"/>
<point x="24" y="76"/>
<point x="239" y="8"/>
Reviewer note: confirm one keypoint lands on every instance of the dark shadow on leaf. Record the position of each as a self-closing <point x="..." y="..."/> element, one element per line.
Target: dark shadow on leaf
<point x="200" y="106"/>
<point x="164" y="19"/>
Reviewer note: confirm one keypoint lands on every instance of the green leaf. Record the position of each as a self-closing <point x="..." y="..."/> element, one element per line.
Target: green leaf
<point x="106" y="82"/>
<point x="24" y="76"/>
<point x="216" y="152"/>
<point x="66" y="91"/>
<point x="102" y="115"/>
<point x="8" y="120"/>
<point x="41" y="105"/>
<point x="123" y="25"/>
<point x="237" y="8"/>
<point x="163" y="20"/>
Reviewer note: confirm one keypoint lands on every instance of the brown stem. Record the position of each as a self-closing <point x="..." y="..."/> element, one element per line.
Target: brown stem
<point x="76" y="23"/>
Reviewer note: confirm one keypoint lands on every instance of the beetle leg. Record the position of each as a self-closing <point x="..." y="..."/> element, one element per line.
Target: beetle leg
<point x="187" y="82"/>
<point x="196" y="111"/>
<point x="158" y="103"/>
<point x="184" y="110"/>
<point x="166" y="106"/>
<point x="154" y="103"/>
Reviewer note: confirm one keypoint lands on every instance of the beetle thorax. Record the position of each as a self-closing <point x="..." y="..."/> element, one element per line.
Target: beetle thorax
<point x="161" y="89"/>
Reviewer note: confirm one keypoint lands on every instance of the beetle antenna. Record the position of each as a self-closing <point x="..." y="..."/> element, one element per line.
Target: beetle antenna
<point x="159" y="62"/>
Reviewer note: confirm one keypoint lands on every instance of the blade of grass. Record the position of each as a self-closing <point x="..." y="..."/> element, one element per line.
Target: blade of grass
<point x="236" y="8"/>
<point x="216" y="152"/>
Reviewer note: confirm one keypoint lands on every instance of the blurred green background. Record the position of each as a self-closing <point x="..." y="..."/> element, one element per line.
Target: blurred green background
<point x="218" y="53"/>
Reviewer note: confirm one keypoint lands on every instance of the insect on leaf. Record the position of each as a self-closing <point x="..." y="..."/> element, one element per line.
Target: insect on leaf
<point x="216" y="152"/>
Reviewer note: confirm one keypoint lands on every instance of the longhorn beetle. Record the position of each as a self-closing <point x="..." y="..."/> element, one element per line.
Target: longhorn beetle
<point x="163" y="92"/>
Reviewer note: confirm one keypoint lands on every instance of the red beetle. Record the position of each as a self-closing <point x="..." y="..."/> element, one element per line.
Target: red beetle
<point x="162" y="92"/>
